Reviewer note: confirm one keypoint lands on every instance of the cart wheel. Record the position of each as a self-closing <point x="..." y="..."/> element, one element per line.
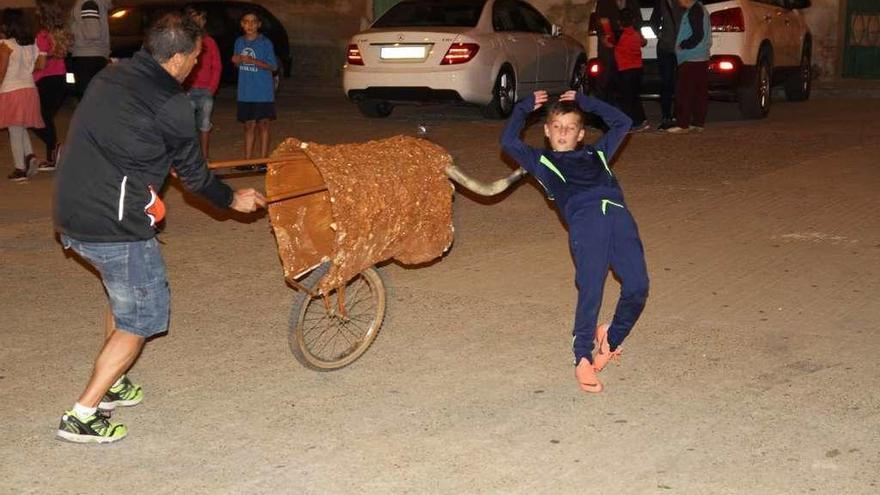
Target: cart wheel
<point x="327" y="340"/>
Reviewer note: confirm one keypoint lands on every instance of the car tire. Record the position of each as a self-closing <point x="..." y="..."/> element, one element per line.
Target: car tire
<point x="375" y="109"/>
<point x="797" y="87"/>
<point x="755" y="95"/>
<point x="579" y="75"/>
<point x="503" y="95"/>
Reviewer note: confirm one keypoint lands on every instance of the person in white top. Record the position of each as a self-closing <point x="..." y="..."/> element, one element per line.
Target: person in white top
<point x="19" y="100"/>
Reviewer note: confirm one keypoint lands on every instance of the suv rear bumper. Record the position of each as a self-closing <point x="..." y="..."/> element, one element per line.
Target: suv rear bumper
<point x="723" y="84"/>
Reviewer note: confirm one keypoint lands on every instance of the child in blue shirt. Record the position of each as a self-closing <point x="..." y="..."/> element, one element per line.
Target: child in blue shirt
<point x="255" y="58"/>
<point x="602" y="233"/>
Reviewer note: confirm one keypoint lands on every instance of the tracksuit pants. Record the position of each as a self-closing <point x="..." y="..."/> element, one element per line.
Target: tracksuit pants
<point x="603" y="235"/>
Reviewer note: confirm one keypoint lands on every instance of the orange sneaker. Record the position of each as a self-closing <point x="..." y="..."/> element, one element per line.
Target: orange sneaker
<point x="586" y="377"/>
<point x="603" y="348"/>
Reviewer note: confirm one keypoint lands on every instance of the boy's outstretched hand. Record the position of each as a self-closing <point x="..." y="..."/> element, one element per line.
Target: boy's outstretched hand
<point x="541" y="97"/>
<point x="569" y="95"/>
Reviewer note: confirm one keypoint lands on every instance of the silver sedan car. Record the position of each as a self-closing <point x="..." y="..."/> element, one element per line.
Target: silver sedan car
<point x="485" y="52"/>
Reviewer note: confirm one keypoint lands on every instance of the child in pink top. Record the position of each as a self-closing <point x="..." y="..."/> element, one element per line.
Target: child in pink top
<point x="19" y="100"/>
<point x="53" y="39"/>
<point x="204" y="79"/>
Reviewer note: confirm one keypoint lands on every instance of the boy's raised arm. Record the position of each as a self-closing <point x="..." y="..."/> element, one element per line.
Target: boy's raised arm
<point x="511" y="142"/>
<point x="618" y="123"/>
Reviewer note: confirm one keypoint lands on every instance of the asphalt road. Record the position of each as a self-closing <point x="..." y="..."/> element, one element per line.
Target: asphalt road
<point x="753" y="370"/>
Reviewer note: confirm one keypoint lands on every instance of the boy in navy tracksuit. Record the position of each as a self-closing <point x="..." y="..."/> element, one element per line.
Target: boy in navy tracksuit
<point x="602" y="233"/>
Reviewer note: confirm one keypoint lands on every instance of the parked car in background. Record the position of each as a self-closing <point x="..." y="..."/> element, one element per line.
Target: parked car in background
<point x="128" y="24"/>
<point x="756" y="44"/>
<point x="484" y="52"/>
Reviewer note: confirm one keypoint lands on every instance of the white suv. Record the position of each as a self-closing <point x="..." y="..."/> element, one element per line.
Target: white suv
<point x="756" y="44"/>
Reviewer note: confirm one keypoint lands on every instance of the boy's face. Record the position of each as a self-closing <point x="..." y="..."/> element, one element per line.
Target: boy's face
<point x="564" y="130"/>
<point x="199" y="19"/>
<point x="250" y="24"/>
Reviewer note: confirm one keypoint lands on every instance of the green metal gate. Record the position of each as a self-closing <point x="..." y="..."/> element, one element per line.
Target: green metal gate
<point x="861" y="49"/>
<point x="381" y="6"/>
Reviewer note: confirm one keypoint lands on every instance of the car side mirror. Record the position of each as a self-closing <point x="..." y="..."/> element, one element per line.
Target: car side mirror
<point x="556" y="30"/>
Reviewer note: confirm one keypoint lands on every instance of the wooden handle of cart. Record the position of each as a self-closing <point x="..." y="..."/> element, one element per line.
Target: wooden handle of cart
<point x="295" y="194"/>
<point x="262" y="161"/>
<point x="249" y="161"/>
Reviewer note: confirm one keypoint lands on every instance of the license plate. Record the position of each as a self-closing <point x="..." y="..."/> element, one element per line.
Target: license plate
<point x="402" y="52"/>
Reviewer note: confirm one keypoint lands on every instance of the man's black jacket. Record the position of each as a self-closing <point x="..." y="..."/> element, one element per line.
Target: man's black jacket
<point x="134" y="123"/>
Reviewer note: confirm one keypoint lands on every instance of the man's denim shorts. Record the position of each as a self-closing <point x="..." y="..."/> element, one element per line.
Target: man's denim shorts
<point x="134" y="276"/>
<point x="203" y="104"/>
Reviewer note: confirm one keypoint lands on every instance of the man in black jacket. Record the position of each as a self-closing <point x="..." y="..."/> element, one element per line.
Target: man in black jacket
<point x="133" y="125"/>
<point x="665" y="20"/>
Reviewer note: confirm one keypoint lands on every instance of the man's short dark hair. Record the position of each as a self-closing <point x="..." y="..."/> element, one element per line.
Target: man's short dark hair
<point x="171" y="34"/>
<point x="564" y="107"/>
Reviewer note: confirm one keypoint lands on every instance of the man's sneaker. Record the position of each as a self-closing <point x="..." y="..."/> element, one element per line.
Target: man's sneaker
<point x="644" y="126"/>
<point x="123" y="394"/>
<point x="666" y="124"/>
<point x="678" y="130"/>
<point x="604" y="355"/>
<point x="696" y="128"/>
<point x="97" y="428"/>
<point x="45" y="166"/>
<point x="17" y="175"/>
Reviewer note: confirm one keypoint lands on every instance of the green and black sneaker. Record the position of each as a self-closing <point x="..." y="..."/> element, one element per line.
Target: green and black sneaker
<point x="97" y="428"/>
<point x="123" y="393"/>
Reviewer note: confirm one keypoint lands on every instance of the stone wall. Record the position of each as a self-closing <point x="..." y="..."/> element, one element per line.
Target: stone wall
<point x="825" y="23"/>
<point x="319" y="31"/>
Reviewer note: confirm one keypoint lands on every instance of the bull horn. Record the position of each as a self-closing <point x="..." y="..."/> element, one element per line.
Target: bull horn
<point x="482" y="188"/>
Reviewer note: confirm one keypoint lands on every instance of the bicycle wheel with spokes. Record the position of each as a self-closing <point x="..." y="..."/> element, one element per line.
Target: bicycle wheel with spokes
<point x="329" y="338"/>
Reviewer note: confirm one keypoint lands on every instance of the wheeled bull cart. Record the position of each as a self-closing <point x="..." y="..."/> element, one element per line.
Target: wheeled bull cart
<point x="333" y="323"/>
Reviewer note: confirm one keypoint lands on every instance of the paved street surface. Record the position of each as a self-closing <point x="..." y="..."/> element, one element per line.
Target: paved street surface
<point x="753" y="370"/>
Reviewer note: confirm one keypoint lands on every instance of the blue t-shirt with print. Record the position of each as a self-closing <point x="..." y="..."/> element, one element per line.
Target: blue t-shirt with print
<point x="256" y="84"/>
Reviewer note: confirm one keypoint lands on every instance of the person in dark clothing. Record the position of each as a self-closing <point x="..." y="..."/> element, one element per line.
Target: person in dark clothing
<point x="132" y="126"/>
<point x="602" y="232"/>
<point x="91" y="41"/>
<point x="665" y="20"/>
<point x="608" y="16"/>
<point x="692" y="46"/>
<point x="628" y="53"/>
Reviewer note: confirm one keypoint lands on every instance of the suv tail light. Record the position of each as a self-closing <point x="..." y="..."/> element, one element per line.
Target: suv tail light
<point x="460" y="53"/>
<point x="727" y="21"/>
<point x="354" y="55"/>
<point x="723" y="64"/>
